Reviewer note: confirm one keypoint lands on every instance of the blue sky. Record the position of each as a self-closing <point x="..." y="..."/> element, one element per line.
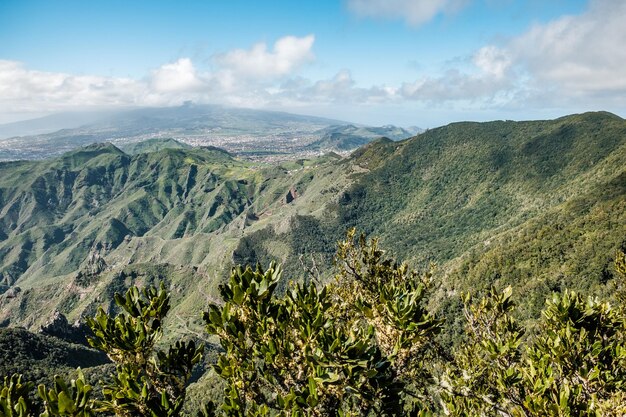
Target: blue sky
<point x="407" y="62"/>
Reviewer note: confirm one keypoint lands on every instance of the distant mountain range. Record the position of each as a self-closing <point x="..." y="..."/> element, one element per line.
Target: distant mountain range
<point x="350" y="137"/>
<point x="50" y="124"/>
<point x="538" y="205"/>
<point x="151" y="120"/>
<point x="246" y="132"/>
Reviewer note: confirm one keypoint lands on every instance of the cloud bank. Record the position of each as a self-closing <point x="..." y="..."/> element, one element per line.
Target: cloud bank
<point x="579" y="55"/>
<point x="239" y="77"/>
<point x="288" y="54"/>
<point x="572" y="63"/>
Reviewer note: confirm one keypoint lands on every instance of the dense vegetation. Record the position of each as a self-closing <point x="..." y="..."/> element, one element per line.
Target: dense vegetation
<point x="147" y="381"/>
<point x="363" y="345"/>
<point x="39" y="357"/>
<point x="536" y="206"/>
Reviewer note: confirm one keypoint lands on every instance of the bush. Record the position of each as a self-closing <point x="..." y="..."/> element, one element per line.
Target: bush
<point x="364" y="344"/>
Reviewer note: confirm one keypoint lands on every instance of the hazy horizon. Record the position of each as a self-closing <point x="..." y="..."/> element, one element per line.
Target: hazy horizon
<point x="402" y="62"/>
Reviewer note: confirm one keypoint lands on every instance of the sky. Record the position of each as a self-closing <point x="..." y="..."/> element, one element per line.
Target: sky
<point x="406" y="62"/>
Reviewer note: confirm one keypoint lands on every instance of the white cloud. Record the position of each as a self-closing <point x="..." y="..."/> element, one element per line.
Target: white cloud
<point x="574" y="62"/>
<point x="579" y="55"/>
<point x="341" y="86"/>
<point x="492" y="60"/>
<point x="415" y="12"/>
<point x="289" y="53"/>
<point x="488" y="79"/>
<point x="455" y="85"/>
<point x="340" y="89"/>
<point x="25" y="90"/>
<point x="240" y="77"/>
<point x="178" y="76"/>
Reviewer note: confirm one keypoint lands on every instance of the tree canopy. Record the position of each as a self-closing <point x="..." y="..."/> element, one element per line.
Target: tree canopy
<point x="365" y="343"/>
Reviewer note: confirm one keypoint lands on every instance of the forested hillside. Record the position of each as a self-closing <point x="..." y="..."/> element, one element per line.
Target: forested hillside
<point x="539" y="205"/>
<point x="74" y="228"/>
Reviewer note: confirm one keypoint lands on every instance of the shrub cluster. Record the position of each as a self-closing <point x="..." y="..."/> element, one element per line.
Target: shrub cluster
<point x="364" y="344"/>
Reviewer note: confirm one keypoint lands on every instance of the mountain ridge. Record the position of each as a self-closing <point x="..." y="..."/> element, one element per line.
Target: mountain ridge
<point x="255" y="134"/>
<point x="98" y="219"/>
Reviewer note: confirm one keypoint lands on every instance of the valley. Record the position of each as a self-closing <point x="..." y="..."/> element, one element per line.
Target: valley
<point x="539" y="206"/>
<point x="470" y="197"/>
<point x="251" y="134"/>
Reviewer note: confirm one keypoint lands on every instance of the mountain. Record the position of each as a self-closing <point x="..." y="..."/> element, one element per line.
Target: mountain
<point x="469" y="180"/>
<point x="540" y="205"/>
<point x="77" y="228"/>
<point x="153" y="145"/>
<point x="237" y="130"/>
<point x="49" y="124"/>
<point x="40" y="357"/>
<point x="349" y="137"/>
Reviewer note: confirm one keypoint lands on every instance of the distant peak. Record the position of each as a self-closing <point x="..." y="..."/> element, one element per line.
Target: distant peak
<point x="215" y="149"/>
<point x="89" y="152"/>
<point x="603" y="113"/>
<point x="153" y="145"/>
<point x="591" y="115"/>
<point x="381" y="140"/>
<point x="100" y="147"/>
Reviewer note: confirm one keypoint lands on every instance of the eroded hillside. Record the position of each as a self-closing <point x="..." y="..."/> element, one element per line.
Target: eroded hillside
<point x="539" y="204"/>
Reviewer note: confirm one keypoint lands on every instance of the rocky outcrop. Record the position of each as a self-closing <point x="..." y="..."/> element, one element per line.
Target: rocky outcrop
<point x="95" y="263"/>
<point x="12" y="292"/>
<point x="59" y="327"/>
<point x="291" y="195"/>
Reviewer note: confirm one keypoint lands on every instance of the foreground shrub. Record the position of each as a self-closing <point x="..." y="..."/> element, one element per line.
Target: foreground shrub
<point x="575" y="364"/>
<point x="350" y="348"/>
<point x="364" y="344"/>
<point x="148" y="382"/>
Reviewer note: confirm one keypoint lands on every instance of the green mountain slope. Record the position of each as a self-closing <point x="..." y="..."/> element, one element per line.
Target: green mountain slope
<point x="69" y="227"/>
<point x="446" y="190"/>
<point x="153" y="145"/>
<point x="537" y="204"/>
<point x="349" y="137"/>
<point x="40" y="357"/>
<point x="475" y="196"/>
<point x="571" y="245"/>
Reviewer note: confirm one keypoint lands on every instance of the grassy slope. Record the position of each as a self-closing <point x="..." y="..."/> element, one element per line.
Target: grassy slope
<point x="546" y="197"/>
<point x="470" y="196"/>
<point x="184" y="209"/>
